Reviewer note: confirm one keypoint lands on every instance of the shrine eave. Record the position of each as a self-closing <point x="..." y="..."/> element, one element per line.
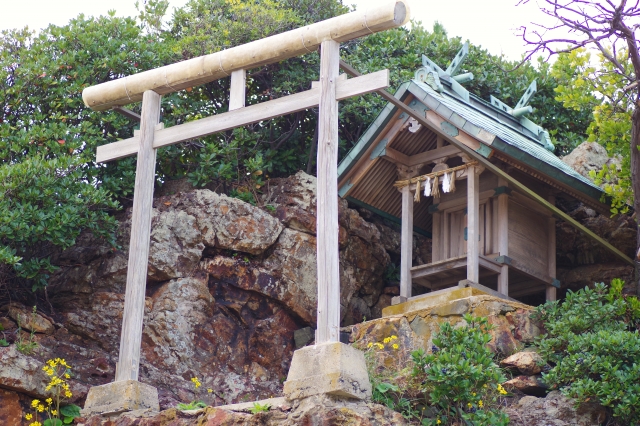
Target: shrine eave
<point x="496" y="131"/>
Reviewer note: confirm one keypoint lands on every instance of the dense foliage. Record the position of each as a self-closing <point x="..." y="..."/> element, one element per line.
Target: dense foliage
<point x="457" y="382"/>
<point x="593" y="86"/>
<point x="42" y="116"/>
<point x="45" y="204"/>
<point x="593" y="345"/>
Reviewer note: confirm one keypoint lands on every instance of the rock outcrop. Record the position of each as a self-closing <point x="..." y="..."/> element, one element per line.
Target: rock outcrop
<point x="580" y="260"/>
<point x="320" y="410"/>
<point x="228" y="285"/>
<point x="588" y="157"/>
<point x="556" y="410"/>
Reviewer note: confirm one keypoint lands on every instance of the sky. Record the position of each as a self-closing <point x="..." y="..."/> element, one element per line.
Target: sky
<point x="491" y="24"/>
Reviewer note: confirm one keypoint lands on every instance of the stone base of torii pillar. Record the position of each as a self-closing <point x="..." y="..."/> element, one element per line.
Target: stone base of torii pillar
<point x="328" y="368"/>
<point x="117" y="397"/>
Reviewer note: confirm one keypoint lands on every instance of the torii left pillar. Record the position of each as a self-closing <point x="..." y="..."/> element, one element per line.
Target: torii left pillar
<point x="329" y="366"/>
<point x="126" y="393"/>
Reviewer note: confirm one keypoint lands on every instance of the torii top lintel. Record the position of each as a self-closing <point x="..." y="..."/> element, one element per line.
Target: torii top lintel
<point x="203" y="69"/>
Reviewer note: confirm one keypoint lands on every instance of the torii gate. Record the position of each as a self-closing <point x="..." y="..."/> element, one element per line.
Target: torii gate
<point x="126" y="393"/>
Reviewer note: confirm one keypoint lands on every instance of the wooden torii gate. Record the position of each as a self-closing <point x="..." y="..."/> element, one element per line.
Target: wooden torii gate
<point x="149" y="86"/>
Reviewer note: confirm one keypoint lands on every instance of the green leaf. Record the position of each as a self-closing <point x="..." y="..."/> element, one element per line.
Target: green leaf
<point x="70" y="410"/>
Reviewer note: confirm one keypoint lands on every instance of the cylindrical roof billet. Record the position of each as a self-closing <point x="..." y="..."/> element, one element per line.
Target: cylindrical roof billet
<point x="200" y="70"/>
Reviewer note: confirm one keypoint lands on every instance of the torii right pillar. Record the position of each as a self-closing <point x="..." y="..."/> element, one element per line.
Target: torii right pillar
<point x="329" y="366"/>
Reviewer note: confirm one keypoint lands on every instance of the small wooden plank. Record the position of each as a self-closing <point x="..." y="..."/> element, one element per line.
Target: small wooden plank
<point x="432" y="155"/>
<point x="131" y="335"/>
<point x="461" y="202"/>
<point x="434" y="268"/>
<point x="243" y="116"/>
<point x="237" y="92"/>
<point x="473" y="225"/>
<point x="127" y="113"/>
<point x="327" y="198"/>
<point x="489" y="264"/>
<point x="406" y="242"/>
<point x="395" y="156"/>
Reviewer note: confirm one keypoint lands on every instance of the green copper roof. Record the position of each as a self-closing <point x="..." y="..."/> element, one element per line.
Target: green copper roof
<point x="515" y="137"/>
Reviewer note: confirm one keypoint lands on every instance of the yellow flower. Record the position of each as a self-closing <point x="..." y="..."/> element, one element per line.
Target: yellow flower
<point x="68" y="394"/>
<point x="469" y="404"/>
<point x="67" y="376"/>
<point x="40" y="408"/>
<point x="35" y="424"/>
<point x="473" y="394"/>
<point x="370" y="344"/>
<point x="196" y="382"/>
<point x="54" y="412"/>
<point x="49" y="401"/>
<point x="28" y="416"/>
<point x="395" y="346"/>
<point x="480" y="404"/>
<point x="209" y="390"/>
<point x="394" y="337"/>
<point x="35" y="403"/>
<point x="380" y="345"/>
<point x="386" y="340"/>
<point x="438" y="421"/>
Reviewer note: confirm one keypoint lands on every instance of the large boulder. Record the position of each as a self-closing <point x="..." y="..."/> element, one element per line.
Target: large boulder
<point x="527" y="362"/>
<point x="224" y="222"/>
<point x="512" y="327"/>
<point x="556" y="410"/>
<point x="588" y="157"/>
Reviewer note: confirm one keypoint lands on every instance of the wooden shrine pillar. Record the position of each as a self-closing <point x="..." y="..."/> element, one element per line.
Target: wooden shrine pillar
<point x="406" y="235"/>
<point x="131" y="335"/>
<point x="327" y="197"/>
<point x="473" y="224"/>
<point x="551" y="291"/>
<point x="503" y="236"/>
<point x="406" y="242"/>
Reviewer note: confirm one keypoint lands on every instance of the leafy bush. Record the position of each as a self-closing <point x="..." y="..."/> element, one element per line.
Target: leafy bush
<point x="593" y="343"/>
<point x="457" y="383"/>
<point x="44" y="205"/>
<point x="459" y="376"/>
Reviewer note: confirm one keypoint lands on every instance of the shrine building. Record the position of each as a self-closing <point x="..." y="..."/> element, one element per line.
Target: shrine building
<point x="411" y="174"/>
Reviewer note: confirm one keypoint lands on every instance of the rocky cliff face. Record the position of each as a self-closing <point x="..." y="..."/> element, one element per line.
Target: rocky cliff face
<point x="581" y="261"/>
<point x="228" y="285"/>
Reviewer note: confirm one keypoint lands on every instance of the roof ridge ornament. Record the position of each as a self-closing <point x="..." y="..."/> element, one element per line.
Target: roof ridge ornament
<point x="522" y="108"/>
<point x="430" y="73"/>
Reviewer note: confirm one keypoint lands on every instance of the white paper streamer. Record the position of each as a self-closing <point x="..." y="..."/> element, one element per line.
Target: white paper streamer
<point x="446" y="183"/>
<point x="427" y="187"/>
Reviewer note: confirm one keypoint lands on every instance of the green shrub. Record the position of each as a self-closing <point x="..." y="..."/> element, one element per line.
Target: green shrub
<point x="459" y="376"/>
<point x="457" y="383"/>
<point x="44" y="205"/>
<point x="593" y="344"/>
